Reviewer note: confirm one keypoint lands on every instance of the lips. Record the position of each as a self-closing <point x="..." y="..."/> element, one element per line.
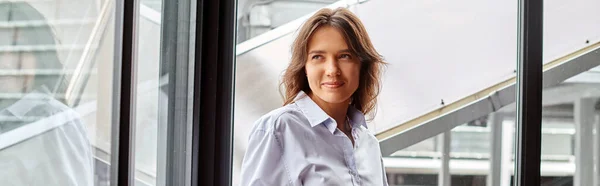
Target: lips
<point x="333" y="84"/>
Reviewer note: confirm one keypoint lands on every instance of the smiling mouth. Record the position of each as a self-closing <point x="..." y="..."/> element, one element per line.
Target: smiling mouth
<point x="335" y="84"/>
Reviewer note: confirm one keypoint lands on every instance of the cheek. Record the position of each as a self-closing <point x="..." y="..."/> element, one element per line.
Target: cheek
<point x="354" y="73"/>
<point x="355" y="81"/>
<point x="311" y="74"/>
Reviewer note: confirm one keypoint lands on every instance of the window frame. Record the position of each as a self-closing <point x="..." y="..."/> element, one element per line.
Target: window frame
<point x="529" y="93"/>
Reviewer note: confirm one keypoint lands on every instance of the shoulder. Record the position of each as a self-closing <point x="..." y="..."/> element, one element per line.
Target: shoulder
<point x="371" y="135"/>
<point x="280" y="119"/>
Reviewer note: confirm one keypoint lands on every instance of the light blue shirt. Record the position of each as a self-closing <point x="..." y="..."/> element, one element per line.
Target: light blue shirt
<point x="299" y="144"/>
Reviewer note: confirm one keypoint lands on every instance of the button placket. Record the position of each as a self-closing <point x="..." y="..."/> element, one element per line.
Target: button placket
<point x="355" y="136"/>
<point x="353" y="170"/>
<point x="348" y="151"/>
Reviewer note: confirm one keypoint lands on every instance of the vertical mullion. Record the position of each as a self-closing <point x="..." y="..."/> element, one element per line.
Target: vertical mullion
<point x="175" y="62"/>
<point x="495" y="171"/>
<point x="123" y="126"/>
<point x="213" y="92"/>
<point x="584" y="110"/>
<point x="529" y="93"/>
<point x="444" y="176"/>
<point x="596" y="147"/>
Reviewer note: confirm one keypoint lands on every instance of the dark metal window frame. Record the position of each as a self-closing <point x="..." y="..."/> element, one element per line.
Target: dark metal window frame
<point x="124" y="91"/>
<point x="213" y="93"/>
<point x="529" y="93"/>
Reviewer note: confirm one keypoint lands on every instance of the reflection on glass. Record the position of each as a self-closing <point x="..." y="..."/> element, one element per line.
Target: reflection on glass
<point x="44" y="141"/>
<point x="151" y="109"/>
<point x="50" y="131"/>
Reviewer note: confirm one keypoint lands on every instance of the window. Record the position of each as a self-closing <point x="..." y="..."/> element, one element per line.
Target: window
<point x="570" y="124"/>
<point x="104" y="92"/>
<point x="56" y="96"/>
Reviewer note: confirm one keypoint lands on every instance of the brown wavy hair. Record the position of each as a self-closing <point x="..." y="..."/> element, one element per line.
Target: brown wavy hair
<point x="294" y="78"/>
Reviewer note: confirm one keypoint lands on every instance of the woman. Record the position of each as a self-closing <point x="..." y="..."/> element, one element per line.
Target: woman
<point x="319" y="136"/>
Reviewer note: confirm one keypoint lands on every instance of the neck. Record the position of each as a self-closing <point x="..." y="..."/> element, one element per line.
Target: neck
<point x="337" y="111"/>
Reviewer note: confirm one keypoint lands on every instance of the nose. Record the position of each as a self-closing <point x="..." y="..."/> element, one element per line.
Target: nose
<point x="332" y="68"/>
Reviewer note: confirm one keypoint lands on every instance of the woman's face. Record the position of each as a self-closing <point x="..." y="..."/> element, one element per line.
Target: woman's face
<point x="332" y="70"/>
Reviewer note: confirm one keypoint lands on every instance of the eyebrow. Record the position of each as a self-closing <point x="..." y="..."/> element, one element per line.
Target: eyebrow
<point x="321" y="51"/>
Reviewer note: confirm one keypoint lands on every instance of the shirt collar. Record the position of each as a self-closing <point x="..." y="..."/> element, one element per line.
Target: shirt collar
<point x="357" y="118"/>
<point x="316" y="115"/>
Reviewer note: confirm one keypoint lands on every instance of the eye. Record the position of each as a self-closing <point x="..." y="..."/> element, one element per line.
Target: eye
<point x="345" y="56"/>
<point x="316" y="57"/>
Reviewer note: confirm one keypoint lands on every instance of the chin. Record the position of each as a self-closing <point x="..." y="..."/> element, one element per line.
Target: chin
<point x="333" y="97"/>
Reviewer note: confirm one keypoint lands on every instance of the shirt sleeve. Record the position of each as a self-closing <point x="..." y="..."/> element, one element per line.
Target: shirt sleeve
<point x="263" y="163"/>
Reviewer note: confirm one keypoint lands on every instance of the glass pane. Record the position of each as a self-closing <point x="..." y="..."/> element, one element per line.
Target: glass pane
<point x="473" y="152"/>
<point x="55" y="111"/>
<point x="451" y="66"/>
<point x="164" y="93"/>
<point x="155" y="5"/>
<point x="151" y="110"/>
<point x="570" y="104"/>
